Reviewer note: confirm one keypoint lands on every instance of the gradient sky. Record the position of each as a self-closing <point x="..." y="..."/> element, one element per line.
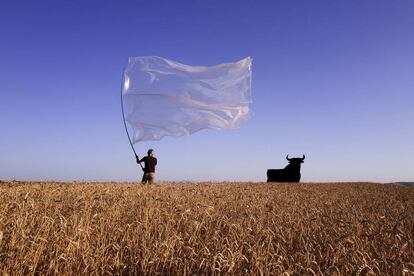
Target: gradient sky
<point x="331" y="79"/>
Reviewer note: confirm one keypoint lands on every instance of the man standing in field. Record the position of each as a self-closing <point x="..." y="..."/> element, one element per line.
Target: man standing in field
<point x="149" y="169"/>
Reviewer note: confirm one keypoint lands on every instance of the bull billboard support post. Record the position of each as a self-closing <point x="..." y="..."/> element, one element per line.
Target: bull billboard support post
<point x="291" y="173"/>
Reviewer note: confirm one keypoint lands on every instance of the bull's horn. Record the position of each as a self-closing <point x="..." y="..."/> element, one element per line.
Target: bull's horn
<point x="287" y="157"/>
<point x="303" y="158"/>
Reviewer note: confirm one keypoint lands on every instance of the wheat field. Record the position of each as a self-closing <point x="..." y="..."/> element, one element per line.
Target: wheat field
<point x="206" y="229"/>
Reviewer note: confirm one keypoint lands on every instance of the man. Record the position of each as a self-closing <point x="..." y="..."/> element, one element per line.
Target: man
<point x="149" y="169"/>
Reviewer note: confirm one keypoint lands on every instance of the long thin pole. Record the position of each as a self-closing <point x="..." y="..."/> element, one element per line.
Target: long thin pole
<point x="125" y="125"/>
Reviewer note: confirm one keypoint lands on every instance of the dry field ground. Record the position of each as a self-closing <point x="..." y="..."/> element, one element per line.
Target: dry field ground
<point x="207" y="229"/>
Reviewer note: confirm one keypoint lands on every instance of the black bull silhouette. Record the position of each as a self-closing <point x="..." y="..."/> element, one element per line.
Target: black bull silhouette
<point x="291" y="173"/>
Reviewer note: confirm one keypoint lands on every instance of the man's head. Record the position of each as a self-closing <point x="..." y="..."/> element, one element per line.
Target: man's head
<point x="150" y="152"/>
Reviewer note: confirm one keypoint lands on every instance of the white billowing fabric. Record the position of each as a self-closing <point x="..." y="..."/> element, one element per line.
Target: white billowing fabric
<point x="167" y="98"/>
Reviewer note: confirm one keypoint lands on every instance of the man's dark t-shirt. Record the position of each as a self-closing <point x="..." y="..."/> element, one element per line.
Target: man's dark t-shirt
<point x="150" y="163"/>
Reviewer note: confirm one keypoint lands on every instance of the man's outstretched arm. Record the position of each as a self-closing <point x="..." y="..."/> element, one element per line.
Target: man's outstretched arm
<point x="139" y="161"/>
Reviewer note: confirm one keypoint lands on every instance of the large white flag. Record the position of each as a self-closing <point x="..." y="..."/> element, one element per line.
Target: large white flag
<point x="167" y="98"/>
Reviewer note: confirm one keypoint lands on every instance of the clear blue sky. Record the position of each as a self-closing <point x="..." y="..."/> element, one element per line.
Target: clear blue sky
<point x="331" y="79"/>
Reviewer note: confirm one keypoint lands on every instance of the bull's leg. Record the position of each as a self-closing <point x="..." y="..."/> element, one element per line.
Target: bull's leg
<point x="296" y="178"/>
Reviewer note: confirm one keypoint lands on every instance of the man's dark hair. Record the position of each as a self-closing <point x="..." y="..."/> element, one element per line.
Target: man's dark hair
<point x="150" y="151"/>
